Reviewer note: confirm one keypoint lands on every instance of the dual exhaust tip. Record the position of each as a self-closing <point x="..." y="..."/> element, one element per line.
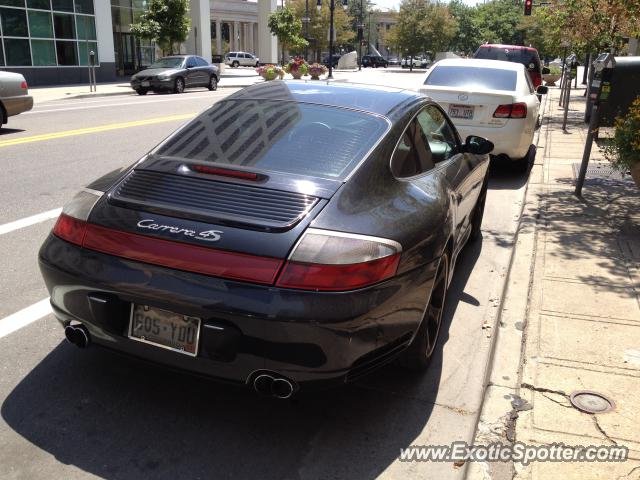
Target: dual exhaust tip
<point x="273" y="385"/>
<point x="77" y="335"/>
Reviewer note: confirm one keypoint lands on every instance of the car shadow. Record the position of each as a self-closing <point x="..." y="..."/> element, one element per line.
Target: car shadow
<point x="9" y="131"/>
<point x="505" y="174"/>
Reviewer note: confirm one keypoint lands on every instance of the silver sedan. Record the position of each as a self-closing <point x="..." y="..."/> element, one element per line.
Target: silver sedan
<point x="14" y="96"/>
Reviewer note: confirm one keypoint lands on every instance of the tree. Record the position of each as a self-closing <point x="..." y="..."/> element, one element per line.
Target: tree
<point x="496" y="22"/>
<point x="440" y="28"/>
<point x="467" y="37"/>
<point x="288" y="28"/>
<point x="408" y="34"/>
<point x="164" y="21"/>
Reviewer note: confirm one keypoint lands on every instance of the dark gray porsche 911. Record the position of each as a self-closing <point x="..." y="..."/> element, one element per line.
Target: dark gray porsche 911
<point x="292" y="235"/>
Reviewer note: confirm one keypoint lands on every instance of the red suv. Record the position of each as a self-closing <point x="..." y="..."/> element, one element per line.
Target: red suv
<point x="528" y="56"/>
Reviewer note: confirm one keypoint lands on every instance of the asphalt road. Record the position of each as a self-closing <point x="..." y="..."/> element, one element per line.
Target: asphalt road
<point x="78" y="414"/>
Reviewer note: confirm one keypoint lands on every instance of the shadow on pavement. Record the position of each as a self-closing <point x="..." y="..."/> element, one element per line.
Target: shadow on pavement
<point x="9" y="131"/>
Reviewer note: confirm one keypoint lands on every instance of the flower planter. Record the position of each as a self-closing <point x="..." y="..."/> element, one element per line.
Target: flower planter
<point x="550" y="79"/>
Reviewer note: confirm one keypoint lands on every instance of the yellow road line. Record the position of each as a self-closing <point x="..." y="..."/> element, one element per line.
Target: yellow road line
<point x="101" y="128"/>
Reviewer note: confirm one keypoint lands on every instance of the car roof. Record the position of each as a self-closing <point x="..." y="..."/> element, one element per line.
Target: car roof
<point x="477" y="62"/>
<point x="510" y="47"/>
<point x="376" y="99"/>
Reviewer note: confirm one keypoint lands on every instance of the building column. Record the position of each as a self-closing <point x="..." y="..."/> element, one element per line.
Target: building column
<point x="199" y="41"/>
<point x="267" y="43"/>
<point x="252" y="45"/>
<point x="219" y="36"/>
<point x="236" y="34"/>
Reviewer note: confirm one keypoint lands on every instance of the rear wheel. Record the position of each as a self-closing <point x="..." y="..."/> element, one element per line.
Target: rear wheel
<point x="213" y="83"/>
<point x="478" y="213"/>
<point x="419" y="354"/>
<point x="3" y="117"/>
<point x="142" y="91"/>
<point x="235" y="64"/>
<point x="179" y="85"/>
<point x="522" y="165"/>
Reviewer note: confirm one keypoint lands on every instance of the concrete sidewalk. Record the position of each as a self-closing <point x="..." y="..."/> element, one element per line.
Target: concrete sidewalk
<point x="570" y="320"/>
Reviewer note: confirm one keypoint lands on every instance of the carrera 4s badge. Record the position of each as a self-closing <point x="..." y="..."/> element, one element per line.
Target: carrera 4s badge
<point x="207" y="235"/>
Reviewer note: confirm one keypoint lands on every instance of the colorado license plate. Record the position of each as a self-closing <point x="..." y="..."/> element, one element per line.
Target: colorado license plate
<point x="461" y="111"/>
<point x="164" y="329"/>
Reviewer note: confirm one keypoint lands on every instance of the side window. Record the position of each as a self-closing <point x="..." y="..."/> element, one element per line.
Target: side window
<point x="529" y="84"/>
<point x="201" y="62"/>
<point x="438" y="133"/>
<point x="412" y="155"/>
<point x="191" y="62"/>
<point x="246" y="55"/>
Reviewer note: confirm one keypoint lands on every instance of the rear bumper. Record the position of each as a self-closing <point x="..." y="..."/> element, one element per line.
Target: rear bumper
<point x="17" y="105"/>
<point x="308" y="337"/>
<point x="512" y="140"/>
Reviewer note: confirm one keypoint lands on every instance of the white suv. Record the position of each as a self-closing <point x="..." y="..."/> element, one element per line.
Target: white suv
<point x="241" y="59"/>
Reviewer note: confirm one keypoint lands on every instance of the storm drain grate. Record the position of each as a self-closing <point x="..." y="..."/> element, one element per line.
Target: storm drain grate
<point x="597" y="172"/>
<point x="591" y="402"/>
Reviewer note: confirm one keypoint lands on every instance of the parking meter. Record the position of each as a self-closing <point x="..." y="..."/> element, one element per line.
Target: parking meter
<point x="572" y="63"/>
<point x="600" y="87"/>
<point x="92" y="58"/>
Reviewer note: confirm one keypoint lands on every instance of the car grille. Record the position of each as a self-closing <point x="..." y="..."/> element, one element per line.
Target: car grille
<point x="211" y="201"/>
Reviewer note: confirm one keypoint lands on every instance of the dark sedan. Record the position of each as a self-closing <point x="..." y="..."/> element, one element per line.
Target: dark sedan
<point x="374" y="61"/>
<point x="292" y="235"/>
<point x="175" y="73"/>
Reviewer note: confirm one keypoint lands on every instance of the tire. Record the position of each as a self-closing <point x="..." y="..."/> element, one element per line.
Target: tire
<point x="179" y="85"/>
<point x="419" y="353"/>
<point x="235" y="64"/>
<point x="213" y="83"/>
<point x="142" y="91"/>
<point x="522" y="165"/>
<point x="3" y="116"/>
<point x="478" y="213"/>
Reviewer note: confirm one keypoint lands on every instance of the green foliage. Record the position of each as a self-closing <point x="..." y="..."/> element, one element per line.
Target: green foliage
<point x="287" y="27"/>
<point x="343" y="24"/>
<point x="467" y="37"/>
<point x="164" y="21"/>
<point x="624" y="149"/>
<point x="496" y="22"/>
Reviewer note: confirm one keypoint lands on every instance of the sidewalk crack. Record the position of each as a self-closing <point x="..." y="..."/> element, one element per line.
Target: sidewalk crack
<point x="601" y="430"/>
<point x="528" y="386"/>
<point x="628" y="475"/>
<point x="556" y="401"/>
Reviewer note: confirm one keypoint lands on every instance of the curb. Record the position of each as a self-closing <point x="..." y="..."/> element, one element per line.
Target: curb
<point x="501" y="401"/>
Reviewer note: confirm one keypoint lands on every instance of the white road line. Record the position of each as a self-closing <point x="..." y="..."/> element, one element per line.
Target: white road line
<point x="28" y="221"/>
<point x="24" y="317"/>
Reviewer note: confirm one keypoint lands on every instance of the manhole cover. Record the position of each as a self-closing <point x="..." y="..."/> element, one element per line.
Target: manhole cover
<point x="591" y="402"/>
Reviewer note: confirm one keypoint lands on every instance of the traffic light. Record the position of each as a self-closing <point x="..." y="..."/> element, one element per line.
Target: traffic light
<point x="528" y="4"/>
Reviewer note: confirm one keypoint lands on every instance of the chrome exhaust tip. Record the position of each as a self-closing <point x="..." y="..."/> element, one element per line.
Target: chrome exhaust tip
<point x="263" y="383"/>
<point x="78" y="335"/>
<point x="281" y="388"/>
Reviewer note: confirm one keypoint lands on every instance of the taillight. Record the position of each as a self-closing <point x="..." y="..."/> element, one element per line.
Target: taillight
<point x="513" y="110"/>
<point x="332" y="261"/>
<point x="536" y="78"/>
<point x="23" y="85"/>
<point x="71" y="225"/>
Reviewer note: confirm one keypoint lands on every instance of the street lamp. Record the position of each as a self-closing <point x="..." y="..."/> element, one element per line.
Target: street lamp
<point x="332" y="7"/>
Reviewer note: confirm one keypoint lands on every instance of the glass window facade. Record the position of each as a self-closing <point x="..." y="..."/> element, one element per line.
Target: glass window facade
<point x="132" y="54"/>
<point x="47" y="33"/>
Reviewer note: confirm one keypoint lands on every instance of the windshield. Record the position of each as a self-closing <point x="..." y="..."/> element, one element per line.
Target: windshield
<point x="288" y="137"/>
<point x="169" y="62"/>
<point x="473" y="78"/>
<point x="526" y="57"/>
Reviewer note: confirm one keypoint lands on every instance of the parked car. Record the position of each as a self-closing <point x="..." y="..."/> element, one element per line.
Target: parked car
<point x="226" y="252"/>
<point x="241" y="59"/>
<point x="527" y="56"/>
<point x="14" y="96"/>
<point x="490" y="98"/>
<point x="394" y="61"/>
<point x="418" y="62"/>
<point x="335" y="58"/>
<point x="175" y="73"/>
<point x="374" y="61"/>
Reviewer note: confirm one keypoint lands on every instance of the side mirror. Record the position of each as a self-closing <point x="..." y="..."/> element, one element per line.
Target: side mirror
<point x="477" y="145"/>
<point x="542" y="90"/>
<point x="546" y="71"/>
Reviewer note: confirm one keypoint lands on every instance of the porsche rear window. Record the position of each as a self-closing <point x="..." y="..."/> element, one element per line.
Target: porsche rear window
<point x="288" y="137"/>
<point x="473" y="77"/>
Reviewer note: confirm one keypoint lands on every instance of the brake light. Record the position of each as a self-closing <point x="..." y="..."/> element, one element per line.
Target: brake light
<point x="23" y="85"/>
<point x="513" y="110"/>
<point x="333" y="261"/>
<point x="536" y="78"/>
<point x="225" y="172"/>
<point x="71" y="225"/>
